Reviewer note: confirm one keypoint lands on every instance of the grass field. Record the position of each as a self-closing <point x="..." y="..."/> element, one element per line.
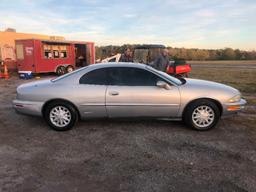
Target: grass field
<point x="239" y="74"/>
<point x="242" y="79"/>
<point x="226" y="62"/>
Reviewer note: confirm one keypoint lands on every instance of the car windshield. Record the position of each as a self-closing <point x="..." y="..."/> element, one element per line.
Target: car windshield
<point x="165" y="75"/>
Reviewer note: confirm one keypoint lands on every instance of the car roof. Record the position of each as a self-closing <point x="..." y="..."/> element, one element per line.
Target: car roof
<point x="100" y="66"/>
<point x="117" y="64"/>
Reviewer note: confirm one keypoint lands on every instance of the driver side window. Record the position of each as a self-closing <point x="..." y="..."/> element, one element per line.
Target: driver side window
<point x="127" y="76"/>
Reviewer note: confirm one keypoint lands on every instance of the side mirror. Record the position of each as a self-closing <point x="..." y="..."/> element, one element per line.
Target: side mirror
<point x="163" y="85"/>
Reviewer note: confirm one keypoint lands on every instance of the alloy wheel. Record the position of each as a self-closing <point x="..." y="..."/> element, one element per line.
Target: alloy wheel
<point x="203" y="116"/>
<point x="60" y="116"/>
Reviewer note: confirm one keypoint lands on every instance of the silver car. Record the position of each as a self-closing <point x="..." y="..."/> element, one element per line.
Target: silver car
<point x="118" y="90"/>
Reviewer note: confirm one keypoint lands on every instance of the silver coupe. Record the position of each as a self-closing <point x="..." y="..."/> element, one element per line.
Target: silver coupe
<point x="118" y="90"/>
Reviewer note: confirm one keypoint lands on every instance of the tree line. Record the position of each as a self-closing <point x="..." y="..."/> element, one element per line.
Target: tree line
<point x="183" y="53"/>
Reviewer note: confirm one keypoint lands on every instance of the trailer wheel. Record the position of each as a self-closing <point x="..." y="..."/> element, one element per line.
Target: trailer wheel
<point x="69" y="69"/>
<point x="61" y="70"/>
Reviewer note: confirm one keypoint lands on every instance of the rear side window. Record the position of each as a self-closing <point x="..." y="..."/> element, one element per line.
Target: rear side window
<point x="95" y="77"/>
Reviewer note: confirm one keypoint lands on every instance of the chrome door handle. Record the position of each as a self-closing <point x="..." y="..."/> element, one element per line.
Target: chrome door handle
<point x="113" y="93"/>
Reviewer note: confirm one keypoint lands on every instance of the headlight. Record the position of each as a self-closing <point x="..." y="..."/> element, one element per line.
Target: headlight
<point x="235" y="99"/>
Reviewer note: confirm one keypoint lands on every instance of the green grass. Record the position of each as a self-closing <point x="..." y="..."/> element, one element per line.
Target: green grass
<point x="251" y="101"/>
<point x="242" y="79"/>
<point x="226" y="62"/>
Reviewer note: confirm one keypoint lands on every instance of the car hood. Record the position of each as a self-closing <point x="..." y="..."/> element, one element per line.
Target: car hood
<point x="211" y="84"/>
<point x="209" y="88"/>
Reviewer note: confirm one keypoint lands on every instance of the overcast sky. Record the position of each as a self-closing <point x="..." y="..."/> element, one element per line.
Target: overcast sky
<point x="176" y="23"/>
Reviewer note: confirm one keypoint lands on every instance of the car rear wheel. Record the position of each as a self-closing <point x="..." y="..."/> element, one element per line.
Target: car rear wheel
<point x="60" y="116"/>
<point x="202" y="115"/>
<point x="61" y="70"/>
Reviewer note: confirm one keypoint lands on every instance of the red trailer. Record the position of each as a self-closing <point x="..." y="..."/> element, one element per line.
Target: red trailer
<point x="42" y="56"/>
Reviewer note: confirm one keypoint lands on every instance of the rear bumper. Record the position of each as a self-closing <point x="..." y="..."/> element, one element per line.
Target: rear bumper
<point x="232" y="108"/>
<point x="28" y="107"/>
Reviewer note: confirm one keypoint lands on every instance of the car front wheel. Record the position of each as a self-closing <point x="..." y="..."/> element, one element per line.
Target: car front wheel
<point x="61" y="116"/>
<point x="202" y="115"/>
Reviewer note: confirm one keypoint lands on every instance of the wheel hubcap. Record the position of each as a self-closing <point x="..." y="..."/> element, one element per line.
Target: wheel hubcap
<point x="70" y="69"/>
<point x="60" y="116"/>
<point x="203" y="116"/>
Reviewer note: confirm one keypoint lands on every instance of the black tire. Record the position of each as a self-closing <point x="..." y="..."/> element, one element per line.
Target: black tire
<point x="72" y="115"/>
<point x="69" y="69"/>
<point x="190" y="117"/>
<point x="61" y="70"/>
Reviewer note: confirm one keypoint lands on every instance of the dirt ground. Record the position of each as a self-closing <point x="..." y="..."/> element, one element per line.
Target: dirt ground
<point x="118" y="155"/>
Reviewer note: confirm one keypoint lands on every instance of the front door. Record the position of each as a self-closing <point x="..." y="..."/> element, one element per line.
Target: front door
<point x="132" y="92"/>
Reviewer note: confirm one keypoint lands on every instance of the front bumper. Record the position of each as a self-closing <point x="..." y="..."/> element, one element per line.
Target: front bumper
<point x="28" y="107"/>
<point x="232" y="108"/>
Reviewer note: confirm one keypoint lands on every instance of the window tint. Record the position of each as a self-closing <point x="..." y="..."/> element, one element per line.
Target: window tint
<point x="95" y="77"/>
<point x="132" y="77"/>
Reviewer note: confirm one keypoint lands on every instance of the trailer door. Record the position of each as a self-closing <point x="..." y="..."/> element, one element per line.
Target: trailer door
<point x="25" y="55"/>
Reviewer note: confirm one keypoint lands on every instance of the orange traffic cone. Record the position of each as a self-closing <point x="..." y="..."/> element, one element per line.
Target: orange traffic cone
<point x="6" y="74"/>
<point x="1" y="71"/>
